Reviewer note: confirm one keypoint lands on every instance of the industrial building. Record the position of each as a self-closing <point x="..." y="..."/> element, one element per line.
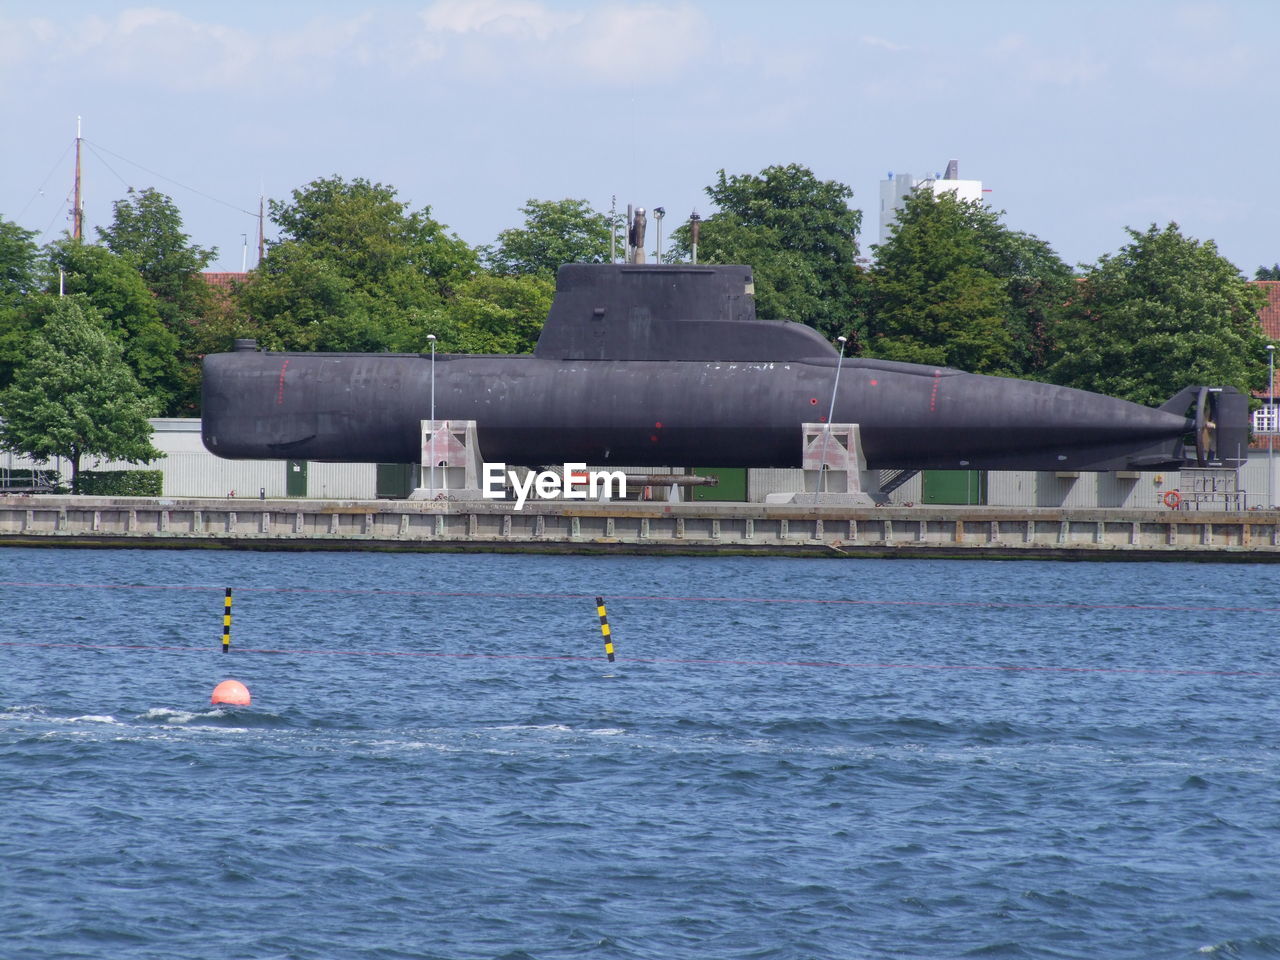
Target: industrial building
<point x="895" y="190"/>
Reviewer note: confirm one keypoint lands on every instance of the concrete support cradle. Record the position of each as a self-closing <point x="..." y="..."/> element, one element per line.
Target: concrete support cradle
<point x="835" y="470"/>
<point x="451" y="461"/>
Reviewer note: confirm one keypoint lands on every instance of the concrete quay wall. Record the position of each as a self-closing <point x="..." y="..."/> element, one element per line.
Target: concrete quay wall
<point x="686" y="528"/>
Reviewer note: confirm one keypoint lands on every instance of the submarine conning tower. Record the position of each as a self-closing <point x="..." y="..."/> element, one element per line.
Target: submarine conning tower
<point x="613" y="311"/>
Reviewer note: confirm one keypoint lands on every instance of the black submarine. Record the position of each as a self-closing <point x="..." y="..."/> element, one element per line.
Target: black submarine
<point x="668" y="365"/>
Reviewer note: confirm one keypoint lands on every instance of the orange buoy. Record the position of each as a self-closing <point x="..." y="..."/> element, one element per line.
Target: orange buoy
<point x="231" y="692"/>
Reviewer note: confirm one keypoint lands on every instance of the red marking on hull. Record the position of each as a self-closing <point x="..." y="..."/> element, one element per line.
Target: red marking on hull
<point x="280" y="384"/>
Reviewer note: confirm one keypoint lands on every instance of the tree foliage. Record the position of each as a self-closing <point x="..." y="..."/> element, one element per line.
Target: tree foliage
<point x="953" y="286"/>
<point x="75" y="396"/>
<point x="800" y="237"/>
<point x="18" y="256"/>
<point x="126" y="309"/>
<point x="357" y="269"/>
<point x="18" y="280"/>
<point x="555" y="232"/>
<point x="496" y="314"/>
<point x="1037" y="281"/>
<point x="932" y="299"/>
<point x="354" y="269"/>
<point x="146" y="231"/>
<point x="1164" y="312"/>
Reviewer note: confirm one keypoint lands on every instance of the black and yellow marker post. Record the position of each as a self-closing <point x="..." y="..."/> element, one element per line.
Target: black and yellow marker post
<point x="226" y="623"/>
<point x="604" y="628"/>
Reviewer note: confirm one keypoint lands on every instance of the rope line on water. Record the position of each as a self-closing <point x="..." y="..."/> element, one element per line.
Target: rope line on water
<point x="833" y="601"/>
<point x="694" y="661"/>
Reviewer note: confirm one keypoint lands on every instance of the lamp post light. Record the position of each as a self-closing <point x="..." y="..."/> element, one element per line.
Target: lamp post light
<point x="659" y="213"/>
<point x="431" y="338"/>
<point x="1271" y="425"/>
<point x="831" y="412"/>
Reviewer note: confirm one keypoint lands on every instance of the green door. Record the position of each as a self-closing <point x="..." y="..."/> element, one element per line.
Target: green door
<point x="732" y="485"/>
<point x="395" y="481"/>
<point x="954" y="486"/>
<point x="295" y="478"/>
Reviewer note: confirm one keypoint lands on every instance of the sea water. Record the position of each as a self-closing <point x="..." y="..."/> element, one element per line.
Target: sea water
<point x="788" y="758"/>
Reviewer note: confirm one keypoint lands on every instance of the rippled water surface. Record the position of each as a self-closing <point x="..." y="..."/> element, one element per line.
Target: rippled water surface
<point x="789" y="759"/>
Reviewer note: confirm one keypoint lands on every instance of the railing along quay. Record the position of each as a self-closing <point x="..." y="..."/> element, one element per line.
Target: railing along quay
<point x="681" y="528"/>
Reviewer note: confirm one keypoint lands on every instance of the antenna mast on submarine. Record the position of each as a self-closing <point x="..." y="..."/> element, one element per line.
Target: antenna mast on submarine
<point x="613" y="229"/>
<point x="77" y="208"/>
<point x="261" y="204"/>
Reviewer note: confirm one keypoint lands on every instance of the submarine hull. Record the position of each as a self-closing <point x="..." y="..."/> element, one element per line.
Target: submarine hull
<point x="668" y="365"/>
<point x="368" y="407"/>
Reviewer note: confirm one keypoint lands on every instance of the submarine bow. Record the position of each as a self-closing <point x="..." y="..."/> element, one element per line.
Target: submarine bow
<point x="664" y="365"/>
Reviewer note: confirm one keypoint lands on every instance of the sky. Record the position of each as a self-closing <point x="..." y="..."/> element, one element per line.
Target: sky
<point x="1081" y="118"/>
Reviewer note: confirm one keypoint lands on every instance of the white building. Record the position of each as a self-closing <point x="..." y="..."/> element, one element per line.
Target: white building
<point x="895" y="190"/>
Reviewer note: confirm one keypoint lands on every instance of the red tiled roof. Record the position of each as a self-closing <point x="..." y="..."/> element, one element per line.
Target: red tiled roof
<point x="1269" y="315"/>
<point x="223" y="281"/>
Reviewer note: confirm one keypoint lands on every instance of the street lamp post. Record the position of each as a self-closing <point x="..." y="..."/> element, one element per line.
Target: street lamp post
<point x="659" y="213"/>
<point x="831" y="412"/>
<point x="431" y="338"/>
<point x="1271" y="425"/>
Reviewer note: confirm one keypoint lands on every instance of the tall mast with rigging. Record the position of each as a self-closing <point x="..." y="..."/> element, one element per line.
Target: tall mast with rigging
<point x="77" y="208"/>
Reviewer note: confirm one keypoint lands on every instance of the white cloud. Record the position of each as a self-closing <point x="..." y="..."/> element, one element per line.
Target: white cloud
<point x="188" y="54"/>
<point x="451" y="25"/>
<point x="325" y="38"/>
<point x="606" y="43"/>
<point x="882" y="44"/>
<point x="24" y="41"/>
<point x="663" y="39"/>
<point x="511" y="17"/>
<point x="145" y="43"/>
<point x="489" y="42"/>
<point x="158" y="46"/>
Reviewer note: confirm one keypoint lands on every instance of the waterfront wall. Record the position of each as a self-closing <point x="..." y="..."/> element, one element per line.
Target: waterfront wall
<point x="639" y="528"/>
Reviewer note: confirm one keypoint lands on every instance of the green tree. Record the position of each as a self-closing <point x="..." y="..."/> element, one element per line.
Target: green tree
<point x="18" y="280"/>
<point x="798" y="235"/>
<point x="1165" y="312"/>
<point x="554" y="232"/>
<point x="496" y="314"/>
<point x="1268" y="273"/>
<point x="934" y="297"/>
<point x="127" y="309"/>
<point x="75" y="396"/>
<point x="146" y="231"/>
<point x="354" y="269"/>
<point x="18" y="256"/>
<point x="1038" y="282"/>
